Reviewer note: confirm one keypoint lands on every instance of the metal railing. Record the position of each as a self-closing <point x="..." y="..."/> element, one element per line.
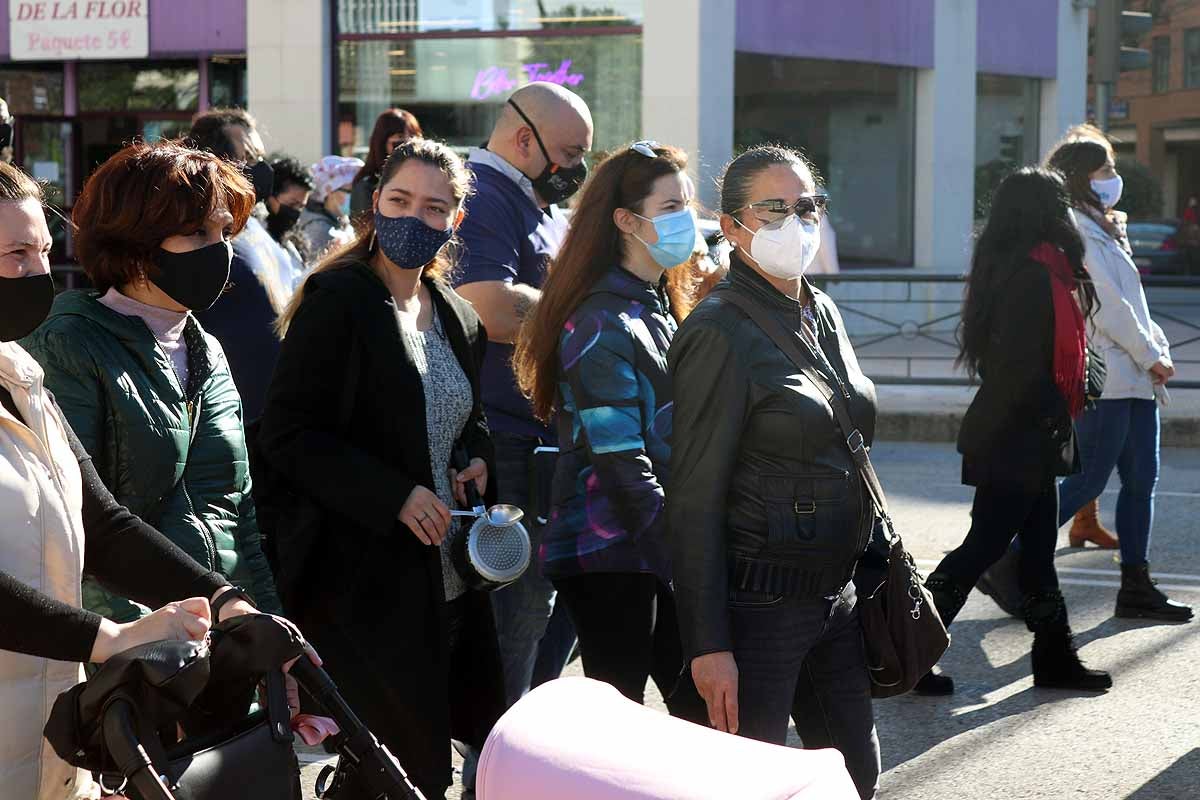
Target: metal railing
<point x="903" y="325"/>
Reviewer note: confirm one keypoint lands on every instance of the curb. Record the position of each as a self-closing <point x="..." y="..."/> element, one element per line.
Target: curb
<point x="943" y="427"/>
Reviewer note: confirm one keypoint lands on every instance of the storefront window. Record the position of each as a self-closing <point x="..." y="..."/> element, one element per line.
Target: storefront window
<point x="139" y="86"/>
<point x="421" y="16"/>
<point x="1006" y="131"/>
<point x="455" y="86"/>
<point x="856" y="123"/>
<point x="227" y="82"/>
<point x="33" y="90"/>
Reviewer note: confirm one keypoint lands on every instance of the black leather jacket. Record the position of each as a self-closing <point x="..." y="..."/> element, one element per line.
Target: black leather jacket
<point x="763" y="495"/>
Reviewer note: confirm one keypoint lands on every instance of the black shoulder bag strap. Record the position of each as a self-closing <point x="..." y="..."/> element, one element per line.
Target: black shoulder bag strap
<point x="790" y="343"/>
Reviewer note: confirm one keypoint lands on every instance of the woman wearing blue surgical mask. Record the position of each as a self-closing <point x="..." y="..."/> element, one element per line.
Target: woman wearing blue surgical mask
<point x="377" y="382"/>
<point x="593" y="357"/>
<point x="768" y="513"/>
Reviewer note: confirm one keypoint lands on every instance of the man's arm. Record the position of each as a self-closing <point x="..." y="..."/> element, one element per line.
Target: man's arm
<point x="502" y="305"/>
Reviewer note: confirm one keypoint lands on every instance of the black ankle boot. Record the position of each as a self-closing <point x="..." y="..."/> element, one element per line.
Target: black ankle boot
<point x="949" y="600"/>
<point x="1056" y="664"/>
<point x="1001" y="582"/>
<point x="935" y="684"/>
<point x="1139" y="598"/>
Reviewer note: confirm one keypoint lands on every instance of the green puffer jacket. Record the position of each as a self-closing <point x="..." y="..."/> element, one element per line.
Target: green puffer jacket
<point x="191" y="480"/>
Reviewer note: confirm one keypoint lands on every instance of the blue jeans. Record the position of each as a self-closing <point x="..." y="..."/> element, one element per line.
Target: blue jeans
<point x="535" y="638"/>
<point x="1123" y="434"/>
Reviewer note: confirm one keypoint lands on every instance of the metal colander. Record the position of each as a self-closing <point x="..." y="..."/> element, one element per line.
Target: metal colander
<point x="499" y="553"/>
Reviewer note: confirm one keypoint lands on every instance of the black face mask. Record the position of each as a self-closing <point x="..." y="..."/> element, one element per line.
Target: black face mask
<point x="556" y="183"/>
<point x="263" y="177"/>
<point x="6" y="134"/>
<point x="281" y="221"/>
<point x="195" y="279"/>
<point x="24" y="304"/>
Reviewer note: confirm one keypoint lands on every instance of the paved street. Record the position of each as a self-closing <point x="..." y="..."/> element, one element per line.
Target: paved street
<point x="999" y="737"/>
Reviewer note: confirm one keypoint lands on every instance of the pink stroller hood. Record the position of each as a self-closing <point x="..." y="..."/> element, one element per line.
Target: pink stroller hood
<point x="581" y="739"/>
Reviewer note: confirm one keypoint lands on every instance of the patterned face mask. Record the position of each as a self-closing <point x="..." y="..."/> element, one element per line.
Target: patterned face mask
<point x="408" y="242"/>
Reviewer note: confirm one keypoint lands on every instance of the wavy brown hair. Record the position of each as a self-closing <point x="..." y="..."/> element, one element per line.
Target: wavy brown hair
<point x="593" y="246"/>
<point x="361" y="248"/>
<point x="144" y="194"/>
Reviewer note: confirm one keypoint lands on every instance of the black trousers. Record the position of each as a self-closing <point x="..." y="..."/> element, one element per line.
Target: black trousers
<point x="628" y="632"/>
<point x="999" y="513"/>
<point x="806" y="656"/>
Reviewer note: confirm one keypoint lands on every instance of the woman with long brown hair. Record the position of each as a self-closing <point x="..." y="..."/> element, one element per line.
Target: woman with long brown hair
<point x="377" y="383"/>
<point x="392" y="128"/>
<point x="593" y="355"/>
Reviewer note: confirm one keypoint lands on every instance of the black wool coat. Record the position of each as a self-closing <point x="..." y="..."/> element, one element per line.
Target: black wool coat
<point x="1017" y="430"/>
<point x="376" y="609"/>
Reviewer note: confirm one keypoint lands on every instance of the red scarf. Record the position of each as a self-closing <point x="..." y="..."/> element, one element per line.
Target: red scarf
<point x="1070" y="335"/>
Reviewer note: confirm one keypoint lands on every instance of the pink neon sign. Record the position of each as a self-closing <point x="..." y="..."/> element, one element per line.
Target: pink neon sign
<point x="496" y="80"/>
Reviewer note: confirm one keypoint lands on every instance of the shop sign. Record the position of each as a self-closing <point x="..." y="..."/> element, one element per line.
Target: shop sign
<point x="70" y="29"/>
<point x="495" y="80"/>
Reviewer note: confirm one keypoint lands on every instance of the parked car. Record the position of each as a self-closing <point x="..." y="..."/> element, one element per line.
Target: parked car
<point x="1162" y="247"/>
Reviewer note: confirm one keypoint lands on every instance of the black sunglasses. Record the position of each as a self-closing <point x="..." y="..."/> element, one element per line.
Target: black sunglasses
<point x="807" y="204"/>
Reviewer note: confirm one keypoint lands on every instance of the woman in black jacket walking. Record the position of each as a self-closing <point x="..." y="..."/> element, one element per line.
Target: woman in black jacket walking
<point x="1023" y="332"/>
<point x="766" y="512"/>
<point x="413" y="649"/>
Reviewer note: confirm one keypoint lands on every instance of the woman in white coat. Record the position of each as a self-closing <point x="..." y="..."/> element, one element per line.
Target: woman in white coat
<point x="1122" y="432"/>
<point x="56" y="521"/>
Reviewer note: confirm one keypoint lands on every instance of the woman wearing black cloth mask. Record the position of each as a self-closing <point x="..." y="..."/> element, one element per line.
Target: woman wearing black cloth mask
<point x="147" y="390"/>
<point x="60" y="521"/>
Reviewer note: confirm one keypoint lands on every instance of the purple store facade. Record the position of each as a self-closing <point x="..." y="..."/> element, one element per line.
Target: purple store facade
<point x="910" y="110"/>
<point x="82" y="78"/>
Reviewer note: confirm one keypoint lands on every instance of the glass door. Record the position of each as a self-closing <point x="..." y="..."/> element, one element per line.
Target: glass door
<point x="45" y="150"/>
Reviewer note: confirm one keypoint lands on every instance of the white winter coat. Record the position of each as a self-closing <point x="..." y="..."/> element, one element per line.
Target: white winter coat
<point x="1121" y="329"/>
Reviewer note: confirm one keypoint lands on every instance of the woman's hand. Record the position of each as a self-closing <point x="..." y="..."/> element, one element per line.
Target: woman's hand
<point x="234" y="608"/>
<point x="477" y="471"/>
<point x="185" y="620"/>
<point x="1161" y="372"/>
<point x="426" y="516"/>
<point x="716" y="678"/>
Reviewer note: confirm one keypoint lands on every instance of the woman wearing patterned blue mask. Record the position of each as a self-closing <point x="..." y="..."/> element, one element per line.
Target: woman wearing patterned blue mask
<point x="593" y="356"/>
<point x="377" y="381"/>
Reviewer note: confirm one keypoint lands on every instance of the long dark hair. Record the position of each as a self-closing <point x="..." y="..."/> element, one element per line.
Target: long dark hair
<point x="389" y="123"/>
<point x="1031" y="206"/>
<point x="360" y="249"/>
<point x="592" y="247"/>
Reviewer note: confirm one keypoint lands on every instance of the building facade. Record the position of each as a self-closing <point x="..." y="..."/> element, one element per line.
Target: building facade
<point x="82" y="78"/>
<point x="1155" y="113"/>
<point x="911" y="110"/>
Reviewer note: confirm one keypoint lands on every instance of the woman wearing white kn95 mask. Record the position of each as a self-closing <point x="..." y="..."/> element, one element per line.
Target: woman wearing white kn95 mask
<point x="766" y="515"/>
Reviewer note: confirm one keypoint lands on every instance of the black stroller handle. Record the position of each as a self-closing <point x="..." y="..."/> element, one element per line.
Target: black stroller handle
<point x="130" y="757"/>
<point x="376" y="769"/>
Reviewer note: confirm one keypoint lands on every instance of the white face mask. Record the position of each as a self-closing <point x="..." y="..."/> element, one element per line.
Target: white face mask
<point x="785" y="249"/>
<point x="1109" y="190"/>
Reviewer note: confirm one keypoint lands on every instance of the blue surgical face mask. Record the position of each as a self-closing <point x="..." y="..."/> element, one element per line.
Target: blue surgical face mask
<point x="676" y="237"/>
<point x="408" y="242"/>
<point x="344" y="208"/>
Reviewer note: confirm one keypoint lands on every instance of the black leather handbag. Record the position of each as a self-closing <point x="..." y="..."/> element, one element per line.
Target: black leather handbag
<point x="902" y="630"/>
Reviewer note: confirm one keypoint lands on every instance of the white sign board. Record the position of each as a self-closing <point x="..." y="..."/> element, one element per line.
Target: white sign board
<point x="70" y="29"/>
